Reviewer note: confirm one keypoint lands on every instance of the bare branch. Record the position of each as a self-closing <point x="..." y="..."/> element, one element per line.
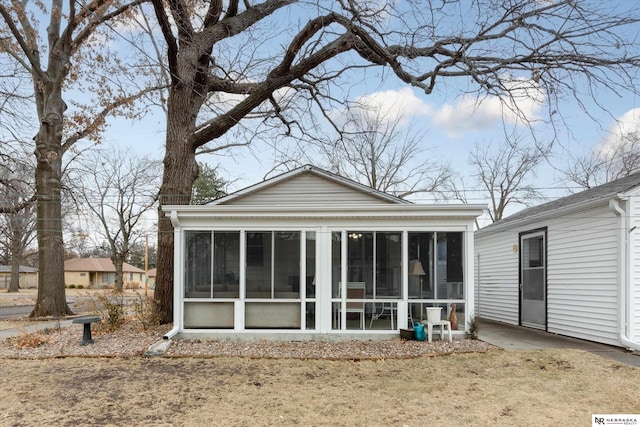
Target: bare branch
<point x="99" y="119"/>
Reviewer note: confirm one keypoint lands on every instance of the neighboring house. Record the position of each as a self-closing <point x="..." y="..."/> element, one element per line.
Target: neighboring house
<point x="28" y="277"/>
<point x="151" y="279"/>
<point x="100" y="272"/>
<point x="571" y="266"/>
<point x="270" y="260"/>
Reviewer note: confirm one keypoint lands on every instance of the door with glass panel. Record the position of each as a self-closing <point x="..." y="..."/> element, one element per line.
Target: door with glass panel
<point x="533" y="280"/>
<point x="369" y="263"/>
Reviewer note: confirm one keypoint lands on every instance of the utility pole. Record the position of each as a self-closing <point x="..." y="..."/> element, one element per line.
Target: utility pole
<point x="146" y="263"/>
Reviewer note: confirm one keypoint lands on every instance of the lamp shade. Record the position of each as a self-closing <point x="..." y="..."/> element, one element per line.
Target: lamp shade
<point x="415" y="268"/>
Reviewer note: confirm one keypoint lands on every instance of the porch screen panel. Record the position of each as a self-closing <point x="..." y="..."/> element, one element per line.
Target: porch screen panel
<point x="336" y="263"/>
<point x="449" y="268"/>
<point x="360" y="259"/>
<point x="226" y="264"/>
<point x="197" y="264"/>
<point x="388" y="265"/>
<point x="258" y="270"/>
<point x="310" y="264"/>
<point x="420" y="268"/>
<point x="286" y="264"/>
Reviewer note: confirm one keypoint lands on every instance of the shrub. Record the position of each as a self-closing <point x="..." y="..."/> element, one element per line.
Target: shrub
<point x="110" y="307"/>
<point x="146" y="311"/>
<point x="72" y="286"/>
<point x="473" y="328"/>
<point x="80" y="286"/>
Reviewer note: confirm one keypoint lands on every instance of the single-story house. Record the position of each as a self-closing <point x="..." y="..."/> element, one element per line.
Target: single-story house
<point x="100" y="272"/>
<point x="28" y="277"/>
<point x="570" y="266"/>
<point x="151" y="278"/>
<point x="314" y="255"/>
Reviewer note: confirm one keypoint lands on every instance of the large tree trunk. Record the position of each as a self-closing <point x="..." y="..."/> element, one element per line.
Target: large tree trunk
<point x="51" y="299"/>
<point x="180" y="171"/>
<point x="117" y="262"/>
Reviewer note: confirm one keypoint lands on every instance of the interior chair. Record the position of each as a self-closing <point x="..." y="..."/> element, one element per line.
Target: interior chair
<point x="356" y="290"/>
<point x="384" y="309"/>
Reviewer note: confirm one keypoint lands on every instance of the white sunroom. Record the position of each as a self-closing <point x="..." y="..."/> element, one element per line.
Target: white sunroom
<point x="271" y="260"/>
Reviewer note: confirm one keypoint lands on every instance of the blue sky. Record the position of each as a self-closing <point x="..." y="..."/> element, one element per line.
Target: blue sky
<point x="451" y="126"/>
<point x="451" y="123"/>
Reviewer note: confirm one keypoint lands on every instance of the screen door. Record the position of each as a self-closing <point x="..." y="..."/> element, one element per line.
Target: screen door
<point x="533" y="280"/>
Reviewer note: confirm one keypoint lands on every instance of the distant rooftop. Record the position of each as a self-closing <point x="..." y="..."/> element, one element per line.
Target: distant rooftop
<point x="97" y="264"/>
<point x="23" y="269"/>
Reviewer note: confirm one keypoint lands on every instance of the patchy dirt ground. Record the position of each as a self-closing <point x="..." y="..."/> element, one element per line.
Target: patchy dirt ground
<point x="48" y="379"/>
<point x="550" y="387"/>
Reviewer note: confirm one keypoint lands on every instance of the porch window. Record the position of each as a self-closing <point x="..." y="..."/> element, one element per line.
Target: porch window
<point x="198" y="264"/>
<point x="450" y="278"/>
<point x="275" y="270"/>
<point x="435" y="272"/>
<point x="212" y="264"/>
<point x="374" y="279"/>
<point x="421" y="265"/>
<point x="443" y="270"/>
<point x="375" y="258"/>
<point x="226" y="264"/>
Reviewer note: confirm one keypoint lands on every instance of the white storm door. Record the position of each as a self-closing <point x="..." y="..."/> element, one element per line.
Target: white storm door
<point x="533" y="280"/>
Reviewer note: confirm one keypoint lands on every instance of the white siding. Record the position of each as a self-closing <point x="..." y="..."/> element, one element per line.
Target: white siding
<point x="634" y="270"/>
<point x="582" y="262"/>
<point x="582" y="275"/>
<point x="307" y="189"/>
<point x="497" y="277"/>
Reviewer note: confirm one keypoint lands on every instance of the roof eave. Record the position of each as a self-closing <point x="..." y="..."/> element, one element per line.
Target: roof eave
<point x="564" y="210"/>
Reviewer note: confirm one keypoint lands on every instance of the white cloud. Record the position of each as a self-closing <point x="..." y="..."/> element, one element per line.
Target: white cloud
<point x="629" y="122"/>
<point x="394" y="104"/>
<point x="519" y="105"/>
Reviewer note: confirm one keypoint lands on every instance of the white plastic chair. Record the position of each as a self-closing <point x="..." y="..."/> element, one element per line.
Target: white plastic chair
<point x="387" y="308"/>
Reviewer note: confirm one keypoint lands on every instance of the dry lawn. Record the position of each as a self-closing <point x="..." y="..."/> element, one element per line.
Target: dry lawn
<point x="28" y="296"/>
<point x="514" y="388"/>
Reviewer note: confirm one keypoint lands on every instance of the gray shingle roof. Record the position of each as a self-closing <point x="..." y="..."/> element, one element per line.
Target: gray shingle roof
<point x="604" y="191"/>
<point x="23" y="269"/>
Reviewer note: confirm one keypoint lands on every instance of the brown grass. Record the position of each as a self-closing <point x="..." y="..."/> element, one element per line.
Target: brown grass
<point x="515" y="388"/>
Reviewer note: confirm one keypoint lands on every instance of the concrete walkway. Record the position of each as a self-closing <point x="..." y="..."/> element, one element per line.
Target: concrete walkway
<point x="36" y="326"/>
<point x="520" y="338"/>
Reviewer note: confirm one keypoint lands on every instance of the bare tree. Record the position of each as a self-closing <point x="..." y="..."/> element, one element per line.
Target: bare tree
<point x="379" y="151"/>
<point x="119" y="189"/>
<point x="607" y="162"/>
<point x="17" y="221"/>
<point x="15" y="102"/>
<point x="250" y="59"/>
<point x="503" y="175"/>
<point x="68" y="48"/>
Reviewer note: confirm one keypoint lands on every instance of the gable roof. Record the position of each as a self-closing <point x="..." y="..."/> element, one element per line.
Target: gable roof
<point x="314" y="171"/>
<point x="604" y="192"/>
<point x="97" y="264"/>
